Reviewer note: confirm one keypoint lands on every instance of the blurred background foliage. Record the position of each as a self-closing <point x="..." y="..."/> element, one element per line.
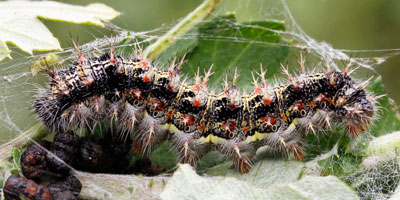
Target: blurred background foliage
<point x="354" y="25"/>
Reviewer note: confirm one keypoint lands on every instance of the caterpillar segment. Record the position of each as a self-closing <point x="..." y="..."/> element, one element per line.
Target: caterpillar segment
<point x="153" y="105"/>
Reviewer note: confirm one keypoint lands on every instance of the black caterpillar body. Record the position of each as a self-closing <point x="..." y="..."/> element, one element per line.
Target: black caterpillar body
<point x="135" y="91"/>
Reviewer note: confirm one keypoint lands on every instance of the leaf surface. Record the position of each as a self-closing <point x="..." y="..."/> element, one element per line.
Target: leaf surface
<point x="226" y="44"/>
<point x="186" y="184"/>
<point x="19" y="23"/>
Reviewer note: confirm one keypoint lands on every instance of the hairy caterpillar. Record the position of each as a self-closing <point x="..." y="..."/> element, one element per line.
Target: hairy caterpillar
<point x="133" y="91"/>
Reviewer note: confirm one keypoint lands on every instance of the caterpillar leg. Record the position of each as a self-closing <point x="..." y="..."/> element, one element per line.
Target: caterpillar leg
<point x="131" y="117"/>
<point x="151" y="132"/>
<point x="189" y="147"/>
<point x="295" y="149"/>
<point x="242" y="154"/>
<point x="78" y="116"/>
<point x="288" y="143"/>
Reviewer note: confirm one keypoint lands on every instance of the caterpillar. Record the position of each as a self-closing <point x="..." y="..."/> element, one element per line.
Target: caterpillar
<point x="154" y="104"/>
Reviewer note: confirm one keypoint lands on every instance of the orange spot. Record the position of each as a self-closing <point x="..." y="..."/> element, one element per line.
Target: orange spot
<point x="258" y="90"/>
<point x="156" y="104"/>
<point x="188" y="119"/>
<point x="81" y="58"/>
<point x="269" y="119"/>
<point x="284" y="118"/>
<point x="227" y="92"/>
<point x="267" y="101"/>
<point x="330" y="100"/>
<point x="196" y="102"/>
<point x="299" y="105"/>
<point x="231" y="125"/>
<point x="201" y="128"/>
<point x="136" y="93"/>
<point x="170" y="114"/>
<point x="143" y="63"/>
<point x="112" y="60"/>
<point x="245" y="129"/>
<point x="324" y="98"/>
<point x="146" y="78"/>
<point x="196" y="87"/>
<point x="312" y="104"/>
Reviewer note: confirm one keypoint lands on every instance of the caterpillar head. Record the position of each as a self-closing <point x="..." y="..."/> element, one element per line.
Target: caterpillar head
<point x="356" y="107"/>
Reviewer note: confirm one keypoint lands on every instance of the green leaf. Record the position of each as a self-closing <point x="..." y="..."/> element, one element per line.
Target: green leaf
<point x="197" y="187"/>
<point x="164" y="155"/>
<point x="241" y="45"/>
<point x="340" y="165"/>
<point x="212" y="159"/>
<point x="17" y="157"/>
<point x="179" y="48"/>
<point x="388" y="119"/>
<point x="19" y="23"/>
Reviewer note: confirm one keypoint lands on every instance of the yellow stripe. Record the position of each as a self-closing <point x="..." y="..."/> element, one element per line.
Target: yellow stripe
<point x="173" y="129"/>
<point x="212" y="139"/>
<point x="257" y="136"/>
<point x="261" y="136"/>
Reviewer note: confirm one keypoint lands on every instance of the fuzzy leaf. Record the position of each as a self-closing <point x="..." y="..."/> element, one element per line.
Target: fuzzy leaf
<point x="396" y="195"/>
<point x="269" y="172"/>
<point x="4" y="51"/>
<point x="19" y="23"/>
<point x="197" y="187"/>
<point x="385" y="147"/>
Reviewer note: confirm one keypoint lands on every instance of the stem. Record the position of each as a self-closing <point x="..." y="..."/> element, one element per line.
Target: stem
<point x="191" y="20"/>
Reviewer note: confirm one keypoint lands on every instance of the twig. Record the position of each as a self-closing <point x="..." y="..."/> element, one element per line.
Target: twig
<point x="191" y="20"/>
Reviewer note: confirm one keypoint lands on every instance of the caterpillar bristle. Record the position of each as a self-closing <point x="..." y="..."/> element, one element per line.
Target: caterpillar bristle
<point x="150" y="105"/>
